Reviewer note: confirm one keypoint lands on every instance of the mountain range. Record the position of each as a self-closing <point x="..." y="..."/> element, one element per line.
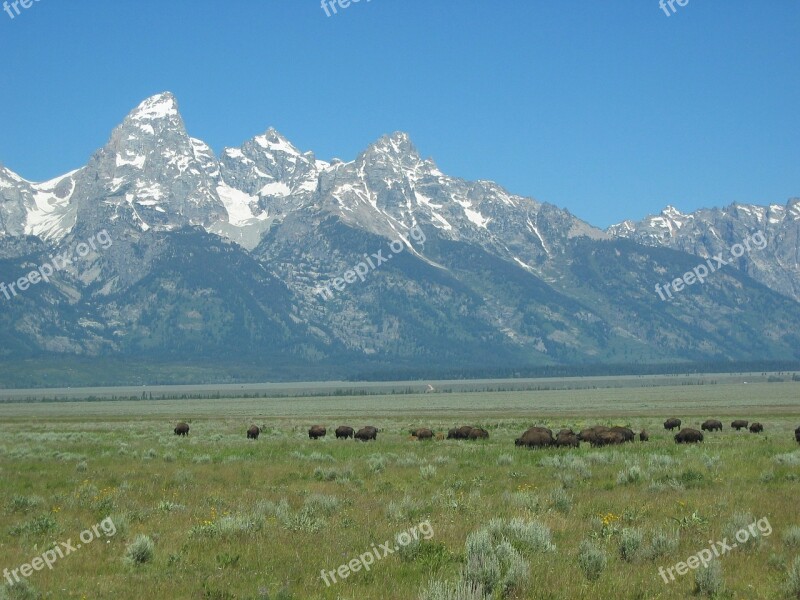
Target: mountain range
<point x="220" y="261"/>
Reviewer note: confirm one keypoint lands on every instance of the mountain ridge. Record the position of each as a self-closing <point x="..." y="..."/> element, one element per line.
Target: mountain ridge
<point x="493" y="279"/>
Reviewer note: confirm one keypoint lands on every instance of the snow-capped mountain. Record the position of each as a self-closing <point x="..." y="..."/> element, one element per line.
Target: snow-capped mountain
<point x="708" y="232"/>
<point x="225" y="256"/>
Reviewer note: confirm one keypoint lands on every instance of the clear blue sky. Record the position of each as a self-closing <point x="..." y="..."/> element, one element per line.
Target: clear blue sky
<point x="608" y="108"/>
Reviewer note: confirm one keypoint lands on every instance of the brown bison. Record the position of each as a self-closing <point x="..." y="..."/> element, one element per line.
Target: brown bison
<point x="689" y="436"/>
<point x="739" y="424"/>
<point x="252" y="433"/>
<point x="367" y="433"/>
<point x="182" y="429"/>
<point x="590" y="433"/>
<point x="608" y="438"/>
<point x="711" y="425"/>
<point x="756" y="428"/>
<point x="566" y="438"/>
<point x="625" y="432"/>
<point x="535" y="437"/>
<point x="343" y="431"/>
<point x="797" y="435"/>
<point x="478" y="433"/>
<point x="671" y="424"/>
<point x="459" y="433"/>
<point x="316" y="431"/>
<point x="643" y="437"/>
<point x="422" y="434"/>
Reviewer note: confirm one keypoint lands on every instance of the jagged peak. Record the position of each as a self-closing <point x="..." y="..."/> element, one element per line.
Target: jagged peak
<point x="273" y="141"/>
<point x="397" y="144"/>
<point x="160" y="106"/>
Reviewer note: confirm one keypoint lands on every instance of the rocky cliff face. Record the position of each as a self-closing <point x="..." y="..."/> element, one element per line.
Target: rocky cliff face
<point x="227" y="256"/>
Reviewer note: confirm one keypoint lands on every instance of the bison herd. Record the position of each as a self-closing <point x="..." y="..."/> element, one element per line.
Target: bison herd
<point x="534" y="437"/>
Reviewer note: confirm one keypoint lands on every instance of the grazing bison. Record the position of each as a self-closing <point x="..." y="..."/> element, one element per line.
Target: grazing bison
<point x="252" y="433"/>
<point x="739" y="424"/>
<point x="671" y="424"/>
<point x="422" y="434"/>
<point x="478" y="433"/>
<point x="316" y="431"/>
<point x="797" y="435"/>
<point x="566" y="438"/>
<point x="711" y="425"/>
<point x="643" y="437"/>
<point x="343" y="431"/>
<point x="367" y="433"/>
<point x="590" y="433"/>
<point x="625" y="432"/>
<point x="182" y="429"/>
<point x="536" y="437"/>
<point x="689" y="436"/>
<point x="608" y="438"/>
<point x="756" y="428"/>
<point x="459" y="433"/>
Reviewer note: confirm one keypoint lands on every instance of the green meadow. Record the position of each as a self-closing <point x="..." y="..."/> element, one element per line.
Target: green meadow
<point x="216" y="516"/>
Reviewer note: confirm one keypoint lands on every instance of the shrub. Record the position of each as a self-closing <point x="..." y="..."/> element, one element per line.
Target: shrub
<point x="19" y="590"/>
<point x="632" y="474"/>
<point x="708" y="581"/>
<point x="24" y="504"/>
<point x="793" y="579"/>
<point x="660" y="545"/>
<point x="427" y="471"/>
<point x="406" y="509"/>
<point x="140" y="551"/>
<point x="592" y="560"/>
<point x="202" y="459"/>
<point x="742" y="521"/>
<point x="630" y="543"/>
<point x="561" y="501"/>
<point x="445" y="590"/>
<point x="505" y="460"/>
<point x="791" y="537"/>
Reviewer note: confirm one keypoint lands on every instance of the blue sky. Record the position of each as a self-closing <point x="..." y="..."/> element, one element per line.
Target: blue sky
<point x="609" y="109"/>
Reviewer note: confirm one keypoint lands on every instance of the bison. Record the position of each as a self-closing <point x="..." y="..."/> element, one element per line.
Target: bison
<point x="671" y="424"/>
<point x="625" y="432"/>
<point x="459" y="433"/>
<point x="590" y="433"/>
<point x="316" y="431"/>
<point x="756" y="428"/>
<point x="422" y="434"/>
<point x="609" y="438"/>
<point x="566" y="438"/>
<point x="711" y="425"/>
<point x="478" y="433"/>
<point x="797" y="435"/>
<point x="367" y="433"/>
<point x="182" y="429"/>
<point x="252" y="433"/>
<point x="536" y="437"/>
<point x="343" y="431"/>
<point x="689" y="436"/>
<point x="739" y="424"/>
<point x="643" y="437"/>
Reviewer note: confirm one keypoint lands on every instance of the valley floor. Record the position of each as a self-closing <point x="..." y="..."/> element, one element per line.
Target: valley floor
<point x="230" y="518"/>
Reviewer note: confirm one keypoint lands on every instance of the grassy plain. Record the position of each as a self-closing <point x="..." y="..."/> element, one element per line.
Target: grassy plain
<point x="236" y="519"/>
